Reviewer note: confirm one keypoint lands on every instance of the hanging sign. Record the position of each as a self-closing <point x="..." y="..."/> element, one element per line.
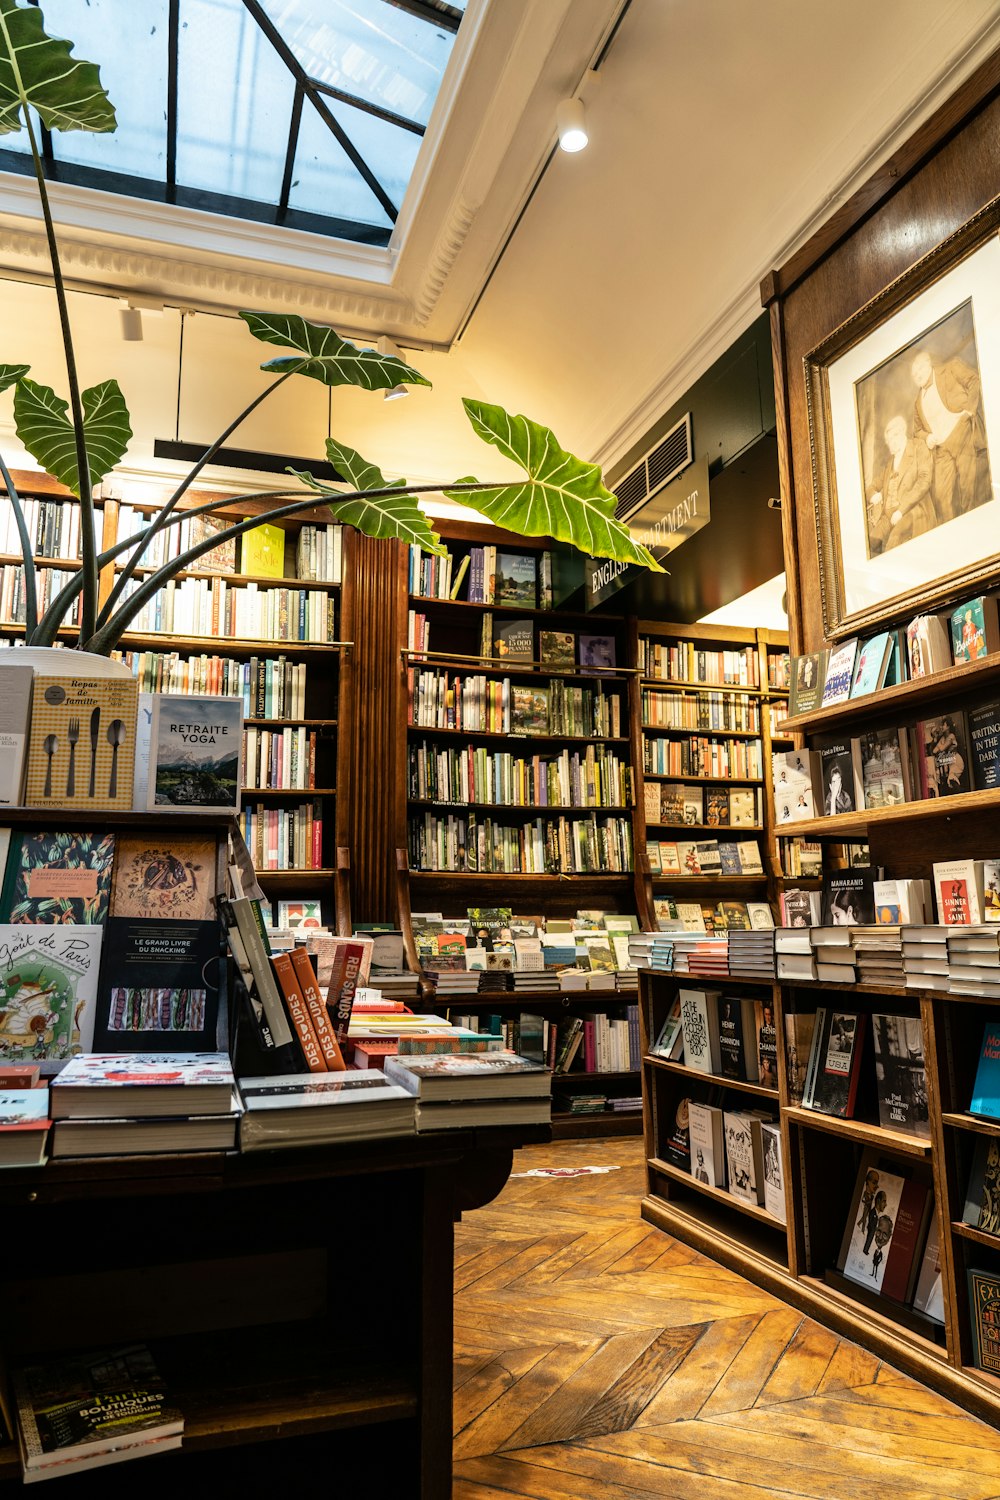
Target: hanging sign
<point x="663" y="523"/>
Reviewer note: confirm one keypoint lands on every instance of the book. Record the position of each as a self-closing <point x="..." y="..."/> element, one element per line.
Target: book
<point x="48" y="991"/>
<point x="982" y="1203"/>
<point x="984" y="745"/>
<point x="760" y="916"/>
<point x="322" y="1022"/>
<point x="81" y="747"/>
<point x="872" y="664"/>
<point x="598" y="651"/>
<point x="839" y="673"/>
<point x="766" y="1037"/>
<point x="708" y="1144"/>
<point x="737" y="1038"/>
<point x="871" y="1223"/>
<point x="807" y="682"/>
<point x="14" y="1076"/>
<point x="300" y="914"/>
<point x="101" y="1085"/>
<point x="99" y="1407"/>
<point x="24" y="1126"/>
<point x="678" y="1145"/>
<point x="196" y="753"/>
<point x="744" y="1155"/>
<point x="840" y="795"/>
<point x="941" y="755"/>
<point x="928" y="1295"/>
<point x="670" y="1041"/>
<point x="986" y="1089"/>
<point x="900" y="1074"/>
<point x="15" y="716"/>
<point x="263" y="551"/>
<point x="837" y="1052"/>
<point x="849" y="899"/>
<point x="700" y="1024"/>
<point x="798" y="785"/>
<point x="774" y="1171"/>
<point x="172" y="877"/>
<point x="314" y="1052"/>
<point x="58" y="877"/>
<point x="984" y="1314"/>
<point x="513" y="640"/>
<point x="516" y="580"/>
<point x="959" y="892"/>
<point x="145" y="1137"/>
<point x="529" y="709"/>
<point x="160" y="985"/>
<point x="247" y="937"/>
<point x="881" y="764"/>
<point x="557" y="648"/>
<point x="498" y="1075"/>
<point x="928" y="645"/>
<point x="975" y="631"/>
<point x="307" y="1110"/>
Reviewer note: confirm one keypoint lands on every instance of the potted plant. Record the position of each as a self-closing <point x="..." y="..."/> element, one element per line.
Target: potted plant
<point x="79" y="441"/>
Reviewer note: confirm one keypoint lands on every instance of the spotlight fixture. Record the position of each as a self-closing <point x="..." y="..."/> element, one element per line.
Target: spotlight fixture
<point x="131" y="320"/>
<point x="387" y="347"/>
<point x="571" y="123"/>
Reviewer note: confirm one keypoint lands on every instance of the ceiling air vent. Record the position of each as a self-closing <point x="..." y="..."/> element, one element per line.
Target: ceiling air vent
<point x="657" y="468"/>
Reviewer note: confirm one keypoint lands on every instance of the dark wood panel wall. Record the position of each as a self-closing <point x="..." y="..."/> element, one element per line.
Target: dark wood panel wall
<point x="946" y="172"/>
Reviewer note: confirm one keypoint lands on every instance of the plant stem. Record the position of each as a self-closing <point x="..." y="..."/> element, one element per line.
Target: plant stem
<point x="88" y="612"/>
<point x="30" y="595"/>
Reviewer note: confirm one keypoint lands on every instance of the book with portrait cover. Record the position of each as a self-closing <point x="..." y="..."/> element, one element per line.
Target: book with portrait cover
<point x="48" y="991"/>
<point x="708" y="1148"/>
<point x="899" y="1072"/>
<point x="159" y="988"/>
<point x="58" y="877"/>
<point x="196" y="753"/>
<point x="744" y="1155"/>
<point x="975" y="631"/>
<point x="871" y="1222"/>
<point x="774" y="1171"/>
<point x="881" y="760"/>
<point x="839" y="794"/>
<point x="171" y="877"/>
<point x="849" y="899"/>
<point x="941" y="755"/>
<point x="799" y="1028"/>
<point x="807" y="682"/>
<point x="835" y="1063"/>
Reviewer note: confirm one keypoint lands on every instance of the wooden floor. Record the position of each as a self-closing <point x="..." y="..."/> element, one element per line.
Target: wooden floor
<point x="598" y="1359"/>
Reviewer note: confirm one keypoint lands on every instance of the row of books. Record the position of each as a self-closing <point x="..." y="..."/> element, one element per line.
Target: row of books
<point x="733" y="711"/>
<point x="954" y="960"/>
<point x="726" y="1146"/>
<point x="545" y="846"/>
<point x="930" y="643"/>
<point x="48" y="583"/>
<point x="594" y="777"/>
<point x="688" y="661"/>
<point x="842" y="955"/>
<point x="284" y="838"/>
<point x="284" y="758"/>
<point x="779" y="670"/>
<point x="713" y="858"/>
<point x="591" y="1042"/>
<point x="439" y="700"/>
<point x="213" y="607"/>
<point x="846" y="1074"/>
<point x="702" y="756"/>
<point x="510" y="579"/>
<point x="681" y="804"/>
<point x="964" y="893"/>
<point x="729" y="1036"/>
<point x="53" y="528"/>
<point x="317" y="556"/>
<point x="712" y="916"/>
<point x="270" y="687"/>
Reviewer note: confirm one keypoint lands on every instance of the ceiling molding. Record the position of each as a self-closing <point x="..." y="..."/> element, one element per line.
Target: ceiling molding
<point x="446" y="251"/>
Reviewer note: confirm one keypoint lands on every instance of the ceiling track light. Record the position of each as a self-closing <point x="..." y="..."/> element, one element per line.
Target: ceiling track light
<point x="571" y="123"/>
<point x="131" y="321"/>
<point x="391" y="351"/>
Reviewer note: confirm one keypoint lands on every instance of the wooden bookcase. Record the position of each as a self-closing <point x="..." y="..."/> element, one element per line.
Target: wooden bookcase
<point x="821" y="1153"/>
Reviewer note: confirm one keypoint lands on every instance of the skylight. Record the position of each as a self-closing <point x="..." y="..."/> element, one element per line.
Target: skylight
<point x="303" y="113"/>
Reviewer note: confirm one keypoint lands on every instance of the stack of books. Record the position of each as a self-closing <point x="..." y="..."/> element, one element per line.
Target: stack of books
<point x="627" y="981"/>
<point x="834" y="954"/>
<point x="456" y="1091"/>
<point x="123" y="1104"/>
<point x="752" y="952"/>
<point x="626" y="1104"/>
<point x="453" y="982"/>
<point x="879" y="954"/>
<point x="498" y="981"/>
<point x="546" y="980"/>
<point x="294" y="1109"/>
<point x="925" y="957"/>
<point x="793" y="951"/>
<point x="586" y="1104"/>
<point x="399" y="986"/>
<point x="974" y="961"/>
<point x="701" y="953"/>
<point x="651" y="950"/>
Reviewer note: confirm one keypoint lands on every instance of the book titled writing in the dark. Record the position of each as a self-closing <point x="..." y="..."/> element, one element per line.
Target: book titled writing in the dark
<point x="899" y="1072"/>
<point x="984" y="746"/>
<point x="159" y="987"/>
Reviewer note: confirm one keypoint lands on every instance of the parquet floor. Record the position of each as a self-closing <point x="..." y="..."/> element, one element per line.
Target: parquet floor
<point x="598" y="1359"/>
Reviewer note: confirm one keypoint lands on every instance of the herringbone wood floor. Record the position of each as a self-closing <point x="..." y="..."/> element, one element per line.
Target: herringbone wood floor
<point x="597" y="1357"/>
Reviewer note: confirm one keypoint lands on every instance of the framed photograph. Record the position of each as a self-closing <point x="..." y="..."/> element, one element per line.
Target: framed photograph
<point x="905" y="434"/>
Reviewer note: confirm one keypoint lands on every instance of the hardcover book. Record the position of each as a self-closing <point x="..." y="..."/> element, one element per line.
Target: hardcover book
<point x="928" y="1296"/>
<point x="774" y="1172"/>
<point x="900" y="1075"/>
<point x="670" y="1042"/>
<point x="598" y="651"/>
<point x="798" y="786"/>
<point x="871" y="1225"/>
<point x="873" y="659"/>
<point x="529" y="709"/>
<point x="679" y="1139"/>
<point x="557" y="648"/>
<point x="941" y="753"/>
<point x="959" y="892"/>
<point x="48" y="990"/>
<point x="982" y="1205"/>
<point x="928" y="645"/>
<point x="986" y="1091"/>
<point x="984" y="1312"/>
<point x="498" y="1075"/>
<point x="159" y="987"/>
<point x="848" y="899"/>
<point x="708" y="1149"/>
<point x="837" y="776"/>
<point x="170" y="878"/>
<point x="144" y="1085"/>
<point x="767" y="1043"/>
<point x="24" y="1126"/>
<point x="513" y="640"/>
<point x="840" y="673"/>
<point x="881" y="763"/>
<point x="516" y="580"/>
<point x="58" y="878"/>
<point x="974" y="629"/>
<point x="15" y="718"/>
<point x="744" y="1155"/>
<point x="743" y="808"/>
<point x="263" y="551"/>
<point x="984" y="745"/>
<point x="799" y="1029"/>
<point x="82" y="744"/>
<point x="196" y="753"/>
<point x="737" y="1039"/>
<point x="837" y="1053"/>
<point x="717" y="807"/>
<point x="700" y="1023"/>
<point x="808" y="681"/>
<point x="307" y="915"/>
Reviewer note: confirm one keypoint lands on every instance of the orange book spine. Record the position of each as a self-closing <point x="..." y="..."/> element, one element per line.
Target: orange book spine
<point x="309" y="984"/>
<point x="298" y="1013"/>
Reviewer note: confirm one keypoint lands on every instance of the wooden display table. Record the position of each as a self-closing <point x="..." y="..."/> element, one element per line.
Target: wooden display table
<point x="287" y="1296"/>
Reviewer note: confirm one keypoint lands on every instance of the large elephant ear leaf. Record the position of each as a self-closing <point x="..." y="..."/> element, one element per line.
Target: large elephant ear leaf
<point x="323" y="355"/>
<point x="46" y="431"/>
<point x="11" y="374"/>
<point x="561" y="496"/>
<point x="39" y="70"/>
<point x="396" y="515"/>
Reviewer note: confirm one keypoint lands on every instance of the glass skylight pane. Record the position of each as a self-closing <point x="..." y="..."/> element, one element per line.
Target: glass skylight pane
<point x="389" y="150"/>
<point x="367" y="48"/>
<point x="234" y="102"/>
<point x="325" y="180"/>
<point x="129" y="43"/>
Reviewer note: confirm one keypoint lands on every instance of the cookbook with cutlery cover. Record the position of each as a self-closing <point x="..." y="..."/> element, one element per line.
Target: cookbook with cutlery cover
<point x="81" y="748"/>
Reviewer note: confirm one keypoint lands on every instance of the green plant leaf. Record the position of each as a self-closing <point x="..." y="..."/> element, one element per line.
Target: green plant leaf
<point x="47" y="433"/>
<point x="39" y="70"/>
<point x="325" y="356"/>
<point x="562" y="496"/>
<point x="395" y="515"/>
<point x="11" y="374"/>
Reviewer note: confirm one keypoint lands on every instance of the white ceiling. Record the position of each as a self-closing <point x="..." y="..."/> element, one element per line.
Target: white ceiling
<point x="722" y="133"/>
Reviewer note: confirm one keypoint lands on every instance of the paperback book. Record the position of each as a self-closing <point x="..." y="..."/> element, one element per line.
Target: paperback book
<point x="15" y="718"/>
<point x="160" y="987"/>
<point x="58" y="877"/>
<point x="81" y="748"/>
<point x="165" y="878"/>
<point x="48" y="991"/>
<point x="196" y="753"/>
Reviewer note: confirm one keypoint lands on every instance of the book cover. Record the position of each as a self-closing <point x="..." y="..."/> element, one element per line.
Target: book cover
<point x="928" y="643"/>
<point x="48" y="991"/>
<point x="774" y="1171"/>
<point x="984" y="1313"/>
<point x="700" y="1024"/>
<point x="982" y="1204"/>
<point x="984" y="745"/>
<point x="529" y="709"/>
<point x="513" y="640"/>
<point x="958" y="891"/>
<point x="263" y="551"/>
<point x="767" y="1043"/>
<point x="598" y="651"/>
<point x="81" y="747"/>
<point x="760" y="915"/>
<point x="717" y="810"/>
<point x="707" y="1140"/>
<point x="743" y="807"/>
<point x="749" y="857"/>
<point x="900" y="1075"/>
<point x="942" y="754"/>
<point x="196" y="753"/>
<point x="58" y="877"/>
<point x="15" y="718"/>
<point x="672" y="801"/>
<point x="798" y="786"/>
<point x="837" y="773"/>
<point x="881" y="765"/>
<point x="173" y="877"/>
<point x="873" y="1220"/>
<point x="799" y="1029"/>
<point x="516" y="580"/>
<point x="671" y="1037"/>
<point x="221" y="559"/>
<point x="986" y="1090"/>
<point x="741" y="1165"/>
<point x="838" y="1052"/>
<point x="557" y="648"/>
<point x="807" y="682"/>
<point x="840" y="673"/>
<point x="928" y="1296"/>
<point x="737" y="1042"/>
<point x="678" y="1145"/>
<point x="300" y="914"/>
<point x="849" y="899"/>
<point x="974" y="630"/>
<point x="159" y="987"/>
<point x="869" y="672"/>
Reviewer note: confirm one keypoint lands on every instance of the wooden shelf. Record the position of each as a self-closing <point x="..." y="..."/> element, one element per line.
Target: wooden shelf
<point x="533" y="810"/>
<point x="888" y="1317"/>
<point x="859" y="1130"/>
<point x="705" y="780"/>
<point x="418" y="601"/>
<point x="712" y="734"/>
<point x="964" y="1121"/>
<point x="674" y="685"/>
<point x="263" y="579"/>
<point x="855" y="989"/>
<point x="970" y="677"/>
<point x="709" y="828"/>
<point x="516" y="999"/>
<point x="492" y="666"/>
<point x="521" y="738"/>
<point x="683" y="1071"/>
<point x="706" y="882"/>
<point x="627" y="1075"/>
<point x="719" y="1195"/>
<point x="293" y="877"/>
<point x="292" y="723"/>
<point x="750" y="1248"/>
<point x="68" y="564"/>
<point x="853" y="823"/>
<point x="588" y="877"/>
<point x="567" y="1127"/>
<point x="252" y="793"/>
<point x="977" y="1236"/>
